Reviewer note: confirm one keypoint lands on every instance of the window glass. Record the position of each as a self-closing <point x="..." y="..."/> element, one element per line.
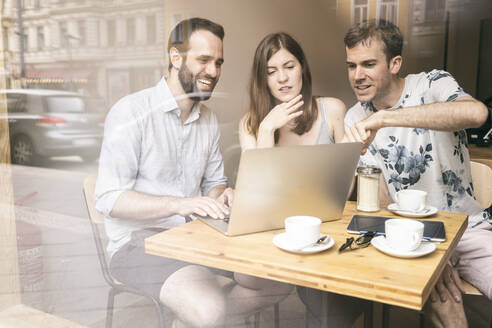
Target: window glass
<point x="360" y="11"/>
<point x="95" y="105"/>
<point x="41" y="41"/>
<point x="82" y="32"/>
<point x="21" y="104"/>
<point x="130" y="30"/>
<point x="12" y="103"/>
<point x="34" y="104"/>
<point x="434" y="10"/>
<point x="63" y="34"/>
<point x="63" y="104"/>
<point x="388" y="10"/>
<point x="111" y="33"/>
<point x="151" y="35"/>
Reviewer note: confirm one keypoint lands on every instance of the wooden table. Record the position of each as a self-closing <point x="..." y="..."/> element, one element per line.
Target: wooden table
<point x="364" y="273"/>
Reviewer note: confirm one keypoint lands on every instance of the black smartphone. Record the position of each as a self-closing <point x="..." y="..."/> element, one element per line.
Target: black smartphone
<point x="433" y="230"/>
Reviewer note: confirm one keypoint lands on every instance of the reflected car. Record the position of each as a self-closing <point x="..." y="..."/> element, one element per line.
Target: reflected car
<point x="46" y="123"/>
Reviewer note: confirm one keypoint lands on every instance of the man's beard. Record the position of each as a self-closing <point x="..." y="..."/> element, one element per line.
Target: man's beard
<point x="189" y="84"/>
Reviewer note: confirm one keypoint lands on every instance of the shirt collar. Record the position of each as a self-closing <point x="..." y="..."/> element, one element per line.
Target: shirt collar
<point x="195" y="113"/>
<point x="163" y="99"/>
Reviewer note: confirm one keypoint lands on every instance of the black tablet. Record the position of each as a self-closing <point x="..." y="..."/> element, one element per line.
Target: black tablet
<point x="433" y="230"/>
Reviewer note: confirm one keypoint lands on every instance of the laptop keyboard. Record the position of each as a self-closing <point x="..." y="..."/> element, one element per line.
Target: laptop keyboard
<point x="226" y="219"/>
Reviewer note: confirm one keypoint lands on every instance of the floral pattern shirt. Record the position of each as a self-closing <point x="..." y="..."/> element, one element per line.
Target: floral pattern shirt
<point x="414" y="158"/>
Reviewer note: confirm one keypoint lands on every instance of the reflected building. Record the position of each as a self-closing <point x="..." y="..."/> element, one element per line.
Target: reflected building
<point x="111" y="48"/>
<point x="357" y="11"/>
<point x="106" y="48"/>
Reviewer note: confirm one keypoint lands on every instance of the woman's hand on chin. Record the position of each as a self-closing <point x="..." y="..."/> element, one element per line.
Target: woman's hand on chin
<point x="282" y="114"/>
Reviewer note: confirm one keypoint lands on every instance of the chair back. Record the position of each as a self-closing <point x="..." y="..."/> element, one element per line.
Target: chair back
<point x="97" y="219"/>
<point x="482" y="183"/>
<point x="89" y="187"/>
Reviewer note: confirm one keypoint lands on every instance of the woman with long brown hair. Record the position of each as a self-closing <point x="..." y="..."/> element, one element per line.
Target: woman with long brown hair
<point x="283" y="111"/>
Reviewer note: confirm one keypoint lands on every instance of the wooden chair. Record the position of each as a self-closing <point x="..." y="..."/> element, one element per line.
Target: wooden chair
<point x="482" y="183"/>
<point x="116" y="287"/>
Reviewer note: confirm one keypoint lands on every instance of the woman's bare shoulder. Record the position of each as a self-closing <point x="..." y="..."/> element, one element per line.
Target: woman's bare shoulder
<point x="333" y="105"/>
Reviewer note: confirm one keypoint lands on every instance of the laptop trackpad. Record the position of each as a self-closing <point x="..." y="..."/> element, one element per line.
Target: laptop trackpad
<point x="215" y="223"/>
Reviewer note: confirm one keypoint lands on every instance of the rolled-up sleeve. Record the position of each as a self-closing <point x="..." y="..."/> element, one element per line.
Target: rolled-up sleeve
<point x="214" y="172"/>
<point x="120" y="151"/>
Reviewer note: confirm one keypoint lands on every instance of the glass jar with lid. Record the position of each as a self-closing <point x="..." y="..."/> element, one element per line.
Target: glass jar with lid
<point x="368" y="188"/>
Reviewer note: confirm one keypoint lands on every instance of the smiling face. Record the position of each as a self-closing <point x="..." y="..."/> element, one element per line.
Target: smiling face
<point x="200" y="72"/>
<point x="284" y="76"/>
<point x="369" y="72"/>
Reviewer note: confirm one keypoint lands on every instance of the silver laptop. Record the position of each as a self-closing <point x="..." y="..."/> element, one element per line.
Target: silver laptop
<point x="275" y="183"/>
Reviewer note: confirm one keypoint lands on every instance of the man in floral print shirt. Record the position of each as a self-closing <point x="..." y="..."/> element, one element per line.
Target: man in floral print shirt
<point x="413" y="129"/>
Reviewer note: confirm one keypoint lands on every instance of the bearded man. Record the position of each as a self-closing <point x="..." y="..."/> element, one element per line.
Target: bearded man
<point x="160" y="163"/>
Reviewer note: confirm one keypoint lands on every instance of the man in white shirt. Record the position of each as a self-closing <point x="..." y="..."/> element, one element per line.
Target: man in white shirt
<point x="160" y="163"/>
<point x="413" y="129"/>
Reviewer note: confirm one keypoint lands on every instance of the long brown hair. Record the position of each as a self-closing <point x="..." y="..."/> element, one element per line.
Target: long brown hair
<point x="261" y="99"/>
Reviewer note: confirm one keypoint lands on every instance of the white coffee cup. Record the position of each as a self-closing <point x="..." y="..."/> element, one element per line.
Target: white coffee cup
<point x="403" y="234"/>
<point x="411" y="200"/>
<point x="302" y="230"/>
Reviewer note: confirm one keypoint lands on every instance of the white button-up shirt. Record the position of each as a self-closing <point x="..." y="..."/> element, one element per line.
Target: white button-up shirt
<point x="146" y="148"/>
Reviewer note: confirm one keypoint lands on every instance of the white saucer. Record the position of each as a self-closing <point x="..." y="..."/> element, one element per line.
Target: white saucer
<point x="428" y="211"/>
<point x="282" y="242"/>
<point x="425" y="248"/>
